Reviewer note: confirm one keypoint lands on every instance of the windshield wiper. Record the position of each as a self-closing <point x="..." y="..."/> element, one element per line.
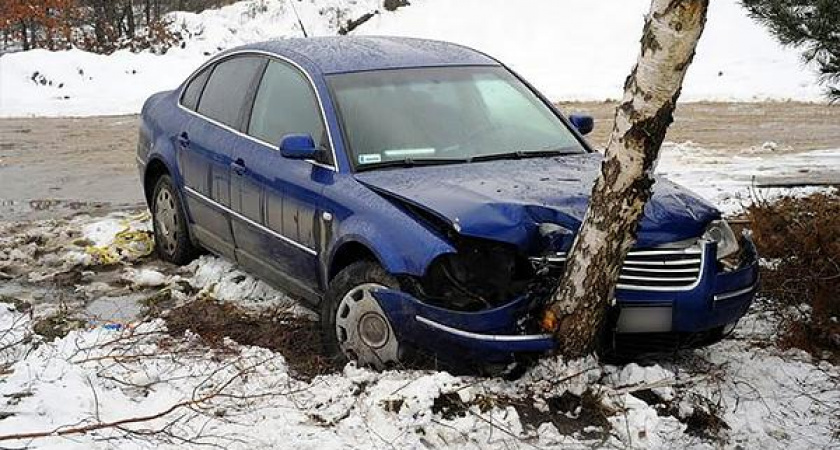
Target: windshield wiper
<point x="520" y="154"/>
<point x="411" y="162"/>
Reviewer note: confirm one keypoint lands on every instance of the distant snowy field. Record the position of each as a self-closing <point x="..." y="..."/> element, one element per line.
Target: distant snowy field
<point x="569" y="50"/>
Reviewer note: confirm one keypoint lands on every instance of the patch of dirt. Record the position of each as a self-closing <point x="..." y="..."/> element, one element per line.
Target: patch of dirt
<point x="17" y="305"/>
<point x="57" y="325"/>
<point x="449" y="406"/>
<point x="571" y="414"/>
<point x="733" y="126"/>
<point x="56" y="167"/>
<point x="702" y="423"/>
<point x="297" y="339"/>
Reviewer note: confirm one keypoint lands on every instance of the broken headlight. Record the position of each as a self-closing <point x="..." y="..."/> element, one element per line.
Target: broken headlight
<point x="727" y="243"/>
<point x="481" y="275"/>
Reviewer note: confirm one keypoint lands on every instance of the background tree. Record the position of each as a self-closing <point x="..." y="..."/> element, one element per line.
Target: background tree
<point x="42" y="23"/>
<point x="95" y="25"/>
<point x="579" y="305"/>
<point x="812" y="24"/>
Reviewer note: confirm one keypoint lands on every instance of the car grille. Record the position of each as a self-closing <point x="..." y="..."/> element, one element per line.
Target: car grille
<point x="662" y="269"/>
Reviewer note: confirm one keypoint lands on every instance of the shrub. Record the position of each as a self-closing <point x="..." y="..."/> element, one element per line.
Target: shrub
<point x="800" y="238"/>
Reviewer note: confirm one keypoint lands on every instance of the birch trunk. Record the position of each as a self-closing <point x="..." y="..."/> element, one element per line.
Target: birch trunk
<point x="576" y="311"/>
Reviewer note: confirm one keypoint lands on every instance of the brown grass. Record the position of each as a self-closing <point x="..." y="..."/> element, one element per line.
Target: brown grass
<point x="801" y="236"/>
<point x="297" y="339"/>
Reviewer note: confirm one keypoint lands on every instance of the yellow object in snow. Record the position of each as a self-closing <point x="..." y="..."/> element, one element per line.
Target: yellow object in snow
<point x="127" y="243"/>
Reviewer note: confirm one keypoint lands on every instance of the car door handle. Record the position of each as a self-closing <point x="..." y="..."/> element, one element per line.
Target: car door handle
<point x="184" y="139"/>
<point x="238" y="166"/>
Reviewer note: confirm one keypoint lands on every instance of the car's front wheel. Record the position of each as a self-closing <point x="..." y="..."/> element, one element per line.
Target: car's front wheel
<point x="353" y="325"/>
<point x="172" y="240"/>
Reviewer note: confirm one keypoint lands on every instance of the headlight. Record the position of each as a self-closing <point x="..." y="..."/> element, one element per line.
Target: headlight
<point x="720" y="232"/>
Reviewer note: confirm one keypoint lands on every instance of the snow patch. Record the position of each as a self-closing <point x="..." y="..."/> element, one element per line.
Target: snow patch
<point x="145" y="277"/>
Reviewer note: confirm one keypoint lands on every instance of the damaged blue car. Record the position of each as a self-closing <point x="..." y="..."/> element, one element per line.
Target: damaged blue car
<point x="423" y="197"/>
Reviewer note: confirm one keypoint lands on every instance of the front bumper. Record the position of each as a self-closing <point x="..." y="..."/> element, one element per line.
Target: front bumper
<point x="716" y="300"/>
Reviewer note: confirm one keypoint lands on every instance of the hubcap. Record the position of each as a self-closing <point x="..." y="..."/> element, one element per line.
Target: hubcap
<point x="363" y="331"/>
<point x="166" y="220"/>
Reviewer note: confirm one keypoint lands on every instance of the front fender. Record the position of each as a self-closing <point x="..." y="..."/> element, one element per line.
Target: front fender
<point x="402" y="246"/>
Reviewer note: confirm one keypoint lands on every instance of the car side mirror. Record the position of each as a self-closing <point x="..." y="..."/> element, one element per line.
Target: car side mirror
<point x="584" y="124"/>
<point x="299" y="146"/>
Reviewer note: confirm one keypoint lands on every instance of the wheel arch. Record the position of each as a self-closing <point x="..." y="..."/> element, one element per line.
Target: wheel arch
<point x="155" y="169"/>
<point x="348" y="253"/>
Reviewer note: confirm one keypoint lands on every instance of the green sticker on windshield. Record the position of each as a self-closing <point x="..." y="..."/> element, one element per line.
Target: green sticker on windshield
<point x="370" y="158"/>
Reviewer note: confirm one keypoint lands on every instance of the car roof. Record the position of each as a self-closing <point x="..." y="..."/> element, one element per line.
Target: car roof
<point x="341" y="54"/>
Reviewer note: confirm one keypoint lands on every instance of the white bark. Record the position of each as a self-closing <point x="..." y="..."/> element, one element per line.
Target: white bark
<point x="579" y="305"/>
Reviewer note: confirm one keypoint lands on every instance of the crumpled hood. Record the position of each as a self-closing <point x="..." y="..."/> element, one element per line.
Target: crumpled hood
<point x="507" y="200"/>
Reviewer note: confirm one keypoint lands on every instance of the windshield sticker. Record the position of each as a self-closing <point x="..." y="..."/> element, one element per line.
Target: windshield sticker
<point x="428" y="151"/>
<point x="370" y="158"/>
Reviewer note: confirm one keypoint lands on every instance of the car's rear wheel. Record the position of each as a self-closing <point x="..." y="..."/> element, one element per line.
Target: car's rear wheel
<point x="172" y="240"/>
<point x="353" y="325"/>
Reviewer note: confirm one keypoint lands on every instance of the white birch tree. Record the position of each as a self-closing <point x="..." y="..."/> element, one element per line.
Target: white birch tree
<point x="576" y="311"/>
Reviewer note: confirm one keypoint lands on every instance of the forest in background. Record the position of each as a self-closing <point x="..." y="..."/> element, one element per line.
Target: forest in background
<point x="100" y="26"/>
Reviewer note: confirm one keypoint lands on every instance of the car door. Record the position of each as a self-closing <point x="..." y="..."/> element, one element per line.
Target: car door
<point x="277" y="199"/>
<point x="206" y="146"/>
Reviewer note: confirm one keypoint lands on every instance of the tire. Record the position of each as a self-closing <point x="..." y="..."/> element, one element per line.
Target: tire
<point x="346" y="310"/>
<point x="172" y="238"/>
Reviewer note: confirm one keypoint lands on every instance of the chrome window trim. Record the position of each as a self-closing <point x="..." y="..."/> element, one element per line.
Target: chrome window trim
<point x="483" y="337"/>
<point x="263" y="228"/>
<point x="333" y="167"/>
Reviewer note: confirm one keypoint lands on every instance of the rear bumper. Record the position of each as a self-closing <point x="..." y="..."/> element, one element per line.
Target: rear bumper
<point x="718" y="299"/>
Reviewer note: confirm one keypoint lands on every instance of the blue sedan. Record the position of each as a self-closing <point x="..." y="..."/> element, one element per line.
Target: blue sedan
<point x="423" y="197"/>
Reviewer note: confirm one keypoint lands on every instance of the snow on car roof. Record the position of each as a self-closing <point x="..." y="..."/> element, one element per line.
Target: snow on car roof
<point x="340" y="54"/>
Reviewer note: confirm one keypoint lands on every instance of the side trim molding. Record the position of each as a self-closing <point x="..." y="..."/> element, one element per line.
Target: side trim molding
<point x="262" y="228"/>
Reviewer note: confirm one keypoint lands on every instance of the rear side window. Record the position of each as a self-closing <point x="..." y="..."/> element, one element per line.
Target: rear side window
<point x="193" y="90"/>
<point x="286" y="104"/>
<point x="227" y="89"/>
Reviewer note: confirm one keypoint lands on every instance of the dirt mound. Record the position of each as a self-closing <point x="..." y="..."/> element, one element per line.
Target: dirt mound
<point x="296" y="338"/>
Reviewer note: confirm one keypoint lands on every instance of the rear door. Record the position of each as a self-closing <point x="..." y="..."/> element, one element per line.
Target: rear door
<point x="277" y="199"/>
<point x="207" y="144"/>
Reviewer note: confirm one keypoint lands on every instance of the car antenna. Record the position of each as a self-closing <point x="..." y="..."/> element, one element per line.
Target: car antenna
<point x="300" y="22"/>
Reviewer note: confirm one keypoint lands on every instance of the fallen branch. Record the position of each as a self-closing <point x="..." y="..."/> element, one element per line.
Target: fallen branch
<point x="104" y="425"/>
<point x="127" y="421"/>
<point x="666" y="382"/>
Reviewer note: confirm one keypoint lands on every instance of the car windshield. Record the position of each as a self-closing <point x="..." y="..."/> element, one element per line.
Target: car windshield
<point x="445" y="115"/>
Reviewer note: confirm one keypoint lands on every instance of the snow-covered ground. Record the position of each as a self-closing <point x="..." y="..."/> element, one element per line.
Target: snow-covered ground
<point x="570" y="50"/>
<point x="732" y="180"/>
<point x="134" y="386"/>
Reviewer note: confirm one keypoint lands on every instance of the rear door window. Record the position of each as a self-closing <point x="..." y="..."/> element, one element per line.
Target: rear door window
<point x="285" y="103"/>
<point x="193" y="90"/>
<point x="228" y="88"/>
